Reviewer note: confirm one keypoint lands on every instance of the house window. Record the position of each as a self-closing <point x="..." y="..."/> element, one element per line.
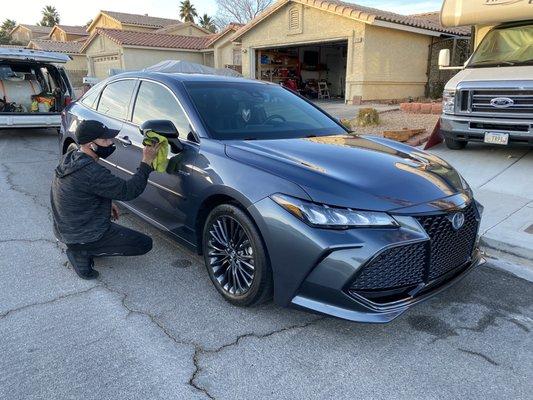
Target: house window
<point x="294" y="19"/>
<point x="237" y="56"/>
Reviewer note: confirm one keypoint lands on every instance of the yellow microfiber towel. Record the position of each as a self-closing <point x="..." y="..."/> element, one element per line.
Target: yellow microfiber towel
<point x="161" y="161"/>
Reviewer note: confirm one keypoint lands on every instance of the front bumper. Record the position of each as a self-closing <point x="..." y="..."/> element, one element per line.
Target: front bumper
<point x="469" y="128"/>
<point x="314" y="268"/>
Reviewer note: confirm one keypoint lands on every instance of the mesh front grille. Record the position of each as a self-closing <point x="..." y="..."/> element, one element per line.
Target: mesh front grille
<point x="395" y="267"/>
<point x="450" y="248"/>
<point x="412" y="264"/>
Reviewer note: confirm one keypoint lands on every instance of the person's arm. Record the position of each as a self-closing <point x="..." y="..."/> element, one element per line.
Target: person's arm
<point x="107" y="185"/>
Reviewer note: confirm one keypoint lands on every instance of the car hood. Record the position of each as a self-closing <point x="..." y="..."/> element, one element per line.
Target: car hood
<point x="366" y="173"/>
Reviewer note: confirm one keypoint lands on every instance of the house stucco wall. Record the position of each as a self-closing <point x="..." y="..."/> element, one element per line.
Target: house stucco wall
<point x="140" y="58"/>
<point x="22" y="34"/>
<point x="395" y="64"/>
<point x="101" y="47"/>
<point x="103" y="21"/>
<point x="224" y="51"/>
<point x="316" y="26"/>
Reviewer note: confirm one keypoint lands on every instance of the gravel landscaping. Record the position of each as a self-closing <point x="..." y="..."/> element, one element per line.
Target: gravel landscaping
<point x="393" y="120"/>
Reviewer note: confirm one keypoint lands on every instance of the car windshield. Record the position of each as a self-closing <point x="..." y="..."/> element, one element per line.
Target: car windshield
<point x="253" y="111"/>
<point x="505" y="47"/>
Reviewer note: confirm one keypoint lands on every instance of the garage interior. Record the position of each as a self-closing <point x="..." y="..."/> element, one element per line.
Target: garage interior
<point x="316" y="71"/>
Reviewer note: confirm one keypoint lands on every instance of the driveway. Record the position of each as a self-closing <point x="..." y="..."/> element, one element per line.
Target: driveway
<point x="153" y="327"/>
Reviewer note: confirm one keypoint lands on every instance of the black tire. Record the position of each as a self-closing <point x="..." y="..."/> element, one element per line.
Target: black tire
<point x="455" y="144"/>
<point x="228" y="275"/>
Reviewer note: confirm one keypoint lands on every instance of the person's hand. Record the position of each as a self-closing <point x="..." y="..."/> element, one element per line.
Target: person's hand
<point x="115" y="212"/>
<point x="150" y="153"/>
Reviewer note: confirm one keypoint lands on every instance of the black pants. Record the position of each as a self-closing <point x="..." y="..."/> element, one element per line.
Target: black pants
<point x="117" y="241"/>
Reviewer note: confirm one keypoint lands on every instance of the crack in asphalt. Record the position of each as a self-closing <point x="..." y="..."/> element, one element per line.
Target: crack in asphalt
<point x="55" y="299"/>
<point x="483" y="356"/>
<point x="16" y="188"/>
<point x="199" y="350"/>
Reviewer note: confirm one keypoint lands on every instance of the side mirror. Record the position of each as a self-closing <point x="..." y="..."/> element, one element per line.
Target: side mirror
<point x="444" y="58"/>
<point x="162" y="127"/>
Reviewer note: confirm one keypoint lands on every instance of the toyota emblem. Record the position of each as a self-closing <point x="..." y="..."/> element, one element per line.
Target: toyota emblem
<point x="457" y="220"/>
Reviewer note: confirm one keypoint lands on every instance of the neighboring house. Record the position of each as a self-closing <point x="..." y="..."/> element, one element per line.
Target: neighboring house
<point x="363" y="53"/>
<point x="68" y="33"/>
<point x="77" y="67"/>
<point x="129" y="22"/>
<point x="23" y="33"/>
<point x="225" y="52"/>
<point x="184" y="29"/>
<point x="132" y="50"/>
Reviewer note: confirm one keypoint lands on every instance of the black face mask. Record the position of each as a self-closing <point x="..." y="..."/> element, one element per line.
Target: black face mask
<point x="104" y="151"/>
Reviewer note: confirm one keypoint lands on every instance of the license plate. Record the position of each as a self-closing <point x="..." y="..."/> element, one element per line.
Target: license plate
<point x="496" y="138"/>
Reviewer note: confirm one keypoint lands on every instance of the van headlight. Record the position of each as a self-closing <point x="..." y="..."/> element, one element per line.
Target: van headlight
<point x="323" y="216"/>
<point x="448" y="101"/>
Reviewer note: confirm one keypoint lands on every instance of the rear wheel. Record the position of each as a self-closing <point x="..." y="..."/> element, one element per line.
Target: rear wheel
<point x="235" y="257"/>
<point x="455" y="144"/>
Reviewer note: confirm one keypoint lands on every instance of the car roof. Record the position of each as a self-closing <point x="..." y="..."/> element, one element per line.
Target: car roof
<point x="184" y="77"/>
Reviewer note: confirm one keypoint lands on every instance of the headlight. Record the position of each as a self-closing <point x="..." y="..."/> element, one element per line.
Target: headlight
<point x="323" y="216"/>
<point x="448" y="102"/>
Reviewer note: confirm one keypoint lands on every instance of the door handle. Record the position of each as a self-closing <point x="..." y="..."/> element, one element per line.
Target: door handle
<point x="124" y="140"/>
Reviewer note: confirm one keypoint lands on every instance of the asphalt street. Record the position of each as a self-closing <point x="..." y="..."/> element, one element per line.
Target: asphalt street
<point x="153" y="327"/>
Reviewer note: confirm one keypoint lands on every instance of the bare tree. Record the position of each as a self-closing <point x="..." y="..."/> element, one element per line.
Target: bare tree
<point x="240" y="11"/>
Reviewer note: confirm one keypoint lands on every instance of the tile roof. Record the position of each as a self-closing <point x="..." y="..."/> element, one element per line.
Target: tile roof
<point x="151" y="39"/>
<point x="435" y="18"/>
<point x="233" y="26"/>
<point x="358" y="12"/>
<point x="180" y="24"/>
<point x="74" y="29"/>
<point x="37" y="28"/>
<point x="141" y="20"/>
<point x="59" y="47"/>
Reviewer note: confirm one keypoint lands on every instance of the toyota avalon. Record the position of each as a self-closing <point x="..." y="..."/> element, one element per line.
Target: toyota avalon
<point x="282" y="200"/>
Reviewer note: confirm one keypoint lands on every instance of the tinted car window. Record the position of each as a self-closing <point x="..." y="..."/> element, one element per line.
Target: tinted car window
<point x="247" y="110"/>
<point x="116" y="98"/>
<point x="91" y="97"/>
<point x="156" y="102"/>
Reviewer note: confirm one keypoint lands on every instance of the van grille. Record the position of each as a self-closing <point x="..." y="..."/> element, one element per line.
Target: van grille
<point x="479" y="102"/>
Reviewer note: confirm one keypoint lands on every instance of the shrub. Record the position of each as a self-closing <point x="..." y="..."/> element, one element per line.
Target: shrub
<point x="368" y="117"/>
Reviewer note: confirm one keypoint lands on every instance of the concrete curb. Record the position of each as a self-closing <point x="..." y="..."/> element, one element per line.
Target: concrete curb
<point x="509" y="263"/>
<point x="523" y="253"/>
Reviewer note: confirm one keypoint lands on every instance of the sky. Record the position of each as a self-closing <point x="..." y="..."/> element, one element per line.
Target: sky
<point x="75" y="12"/>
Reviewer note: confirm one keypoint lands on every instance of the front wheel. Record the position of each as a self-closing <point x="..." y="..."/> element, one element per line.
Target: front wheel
<point x="235" y="257"/>
<point x="455" y="144"/>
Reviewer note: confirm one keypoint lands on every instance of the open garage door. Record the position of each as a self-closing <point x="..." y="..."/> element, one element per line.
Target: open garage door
<point x="103" y="64"/>
<point x="314" y="70"/>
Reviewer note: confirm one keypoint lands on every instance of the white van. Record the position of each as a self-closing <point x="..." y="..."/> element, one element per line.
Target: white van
<point x="34" y="88"/>
<point x="491" y="99"/>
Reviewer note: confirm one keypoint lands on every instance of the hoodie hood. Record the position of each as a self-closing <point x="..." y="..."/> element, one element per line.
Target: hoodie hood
<point x="364" y="173"/>
<point x="72" y="162"/>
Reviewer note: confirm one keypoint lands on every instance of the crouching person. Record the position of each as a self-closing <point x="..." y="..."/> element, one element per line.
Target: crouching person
<point x="81" y="198"/>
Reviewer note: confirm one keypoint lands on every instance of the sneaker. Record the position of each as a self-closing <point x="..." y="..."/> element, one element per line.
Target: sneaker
<point x="83" y="266"/>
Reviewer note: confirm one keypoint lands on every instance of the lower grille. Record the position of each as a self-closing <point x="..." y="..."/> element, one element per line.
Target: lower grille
<point x="450" y="248"/>
<point x="404" y="267"/>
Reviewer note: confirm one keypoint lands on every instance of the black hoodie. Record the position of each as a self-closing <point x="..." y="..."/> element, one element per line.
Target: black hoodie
<point x="81" y="196"/>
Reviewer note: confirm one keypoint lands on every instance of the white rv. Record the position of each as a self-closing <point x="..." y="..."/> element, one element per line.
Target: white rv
<point x="491" y="99"/>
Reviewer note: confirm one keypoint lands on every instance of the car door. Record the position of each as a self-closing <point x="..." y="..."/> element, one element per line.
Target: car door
<point x="168" y="194"/>
<point x="113" y="109"/>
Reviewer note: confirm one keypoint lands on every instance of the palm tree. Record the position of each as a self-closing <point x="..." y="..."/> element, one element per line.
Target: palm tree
<point x="5" y="29"/>
<point x="50" y="16"/>
<point x="208" y="23"/>
<point x="187" y="11"/>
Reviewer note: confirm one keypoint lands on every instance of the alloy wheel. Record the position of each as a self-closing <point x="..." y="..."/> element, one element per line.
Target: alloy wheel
<point x="231" y="256"/>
